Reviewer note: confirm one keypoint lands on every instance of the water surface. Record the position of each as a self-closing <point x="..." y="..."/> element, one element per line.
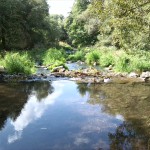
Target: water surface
<point x="64" y="115"/>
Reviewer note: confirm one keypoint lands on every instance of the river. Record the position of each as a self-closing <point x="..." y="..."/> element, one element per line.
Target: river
<point x="65" y="115"/>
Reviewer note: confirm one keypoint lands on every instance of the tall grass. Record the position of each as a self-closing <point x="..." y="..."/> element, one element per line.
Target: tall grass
<point x="18" y="63"/>
<point x="93" y="57"/>
<point x="54" y="57"/>
<point x="134" y="61"/>
<point x="122" y="61"/>
<point x="79" y="55"/>
<point x="107" y="59"/>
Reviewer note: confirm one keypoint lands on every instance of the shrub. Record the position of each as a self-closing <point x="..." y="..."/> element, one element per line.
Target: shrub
<point x="56" y="64"/>
<point x="123" y="63"/>
<point x="79" y="55"/>
<point x="93" y="57"/>
<point x="54" y="58"/>
<point x="53" y="55"/>
<point x="18" y="63"/>
<point x="128" y="63"/>
<point x="140" y="63"/>
<point x="107" y="59"/>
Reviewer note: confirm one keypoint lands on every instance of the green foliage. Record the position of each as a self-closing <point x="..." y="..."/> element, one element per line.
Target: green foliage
<point x="132" y="62"/>
<point x="57" y="64"/>
<point x="26" y="24"/>
<point x="81" y="28"/>
<point x="107" y="59"/>
<point x="93" y="57"/>
<point x="124" y="23"/>
<point x="65" y="46"/>
<point x="79" y="55"/>
<point x="18" y="63"/>
<point x="123" y="63"/>
<point x="54" y="57"/>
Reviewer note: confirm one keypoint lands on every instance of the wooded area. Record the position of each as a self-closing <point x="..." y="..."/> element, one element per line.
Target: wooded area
<point x="123" y="24"/>
<point x="102" y="32"/>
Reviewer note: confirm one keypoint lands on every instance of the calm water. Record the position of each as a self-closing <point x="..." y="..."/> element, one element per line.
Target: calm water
<point x="63" y="115"/>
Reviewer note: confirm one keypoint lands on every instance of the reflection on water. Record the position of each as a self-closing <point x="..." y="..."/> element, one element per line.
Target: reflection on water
<point x="64" y="115"/>
<point x="133" y="103"/>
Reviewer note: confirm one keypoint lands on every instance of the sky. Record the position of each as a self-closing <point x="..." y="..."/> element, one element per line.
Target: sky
<point x="60" y="6"/>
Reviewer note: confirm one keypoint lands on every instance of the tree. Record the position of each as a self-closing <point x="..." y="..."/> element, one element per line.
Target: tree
<point x="77" y="24"/>
<point x="22" y="22"/>
<point x="127" y="23"/>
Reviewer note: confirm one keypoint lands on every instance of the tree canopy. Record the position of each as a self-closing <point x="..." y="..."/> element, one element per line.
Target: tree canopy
<point x="26" y="23"/>
<point x="124" y="23"/>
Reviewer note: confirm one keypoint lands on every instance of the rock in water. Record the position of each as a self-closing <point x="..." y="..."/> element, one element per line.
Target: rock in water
<point x="107" y="80"/>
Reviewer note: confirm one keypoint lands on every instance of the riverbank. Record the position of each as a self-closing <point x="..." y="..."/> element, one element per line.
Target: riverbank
<point x="87" y="75"/>
<point x="86" y="65"/>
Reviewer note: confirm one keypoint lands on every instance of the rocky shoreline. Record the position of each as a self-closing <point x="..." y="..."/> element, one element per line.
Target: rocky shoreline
<point x="88" y="75"/>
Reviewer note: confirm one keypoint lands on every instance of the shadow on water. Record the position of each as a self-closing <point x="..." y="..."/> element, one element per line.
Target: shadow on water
<point x="132" y="101"/>
<point x="13" y="97"/>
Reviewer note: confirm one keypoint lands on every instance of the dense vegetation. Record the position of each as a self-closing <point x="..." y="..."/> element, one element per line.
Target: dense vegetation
<point x="105" y="32"/>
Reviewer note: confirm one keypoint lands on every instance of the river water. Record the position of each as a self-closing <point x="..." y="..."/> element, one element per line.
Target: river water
<point x="64" y="115"/>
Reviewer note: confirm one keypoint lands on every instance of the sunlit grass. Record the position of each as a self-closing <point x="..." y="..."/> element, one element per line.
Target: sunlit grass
<point x="93" y="57"/>
<point x="79" y="55"/>
<point x="18" y="63"/>
<point x="54" y="57"/>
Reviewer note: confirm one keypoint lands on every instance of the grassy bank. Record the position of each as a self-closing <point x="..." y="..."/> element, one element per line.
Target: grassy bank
<point x="16" y="63"/>
<point x="120" y="60"/>
<point x="24" y="61"/>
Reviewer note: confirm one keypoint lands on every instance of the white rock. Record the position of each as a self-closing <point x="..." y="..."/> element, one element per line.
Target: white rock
<point x="107" y="80"/>
<point x="133" y="75"/>
<point x="145" y="74"/>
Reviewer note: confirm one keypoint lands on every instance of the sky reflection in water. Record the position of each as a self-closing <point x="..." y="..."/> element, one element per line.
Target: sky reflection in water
<point x="62" y="120"/>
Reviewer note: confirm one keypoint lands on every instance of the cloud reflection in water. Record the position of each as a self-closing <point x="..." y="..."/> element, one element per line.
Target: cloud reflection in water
<point x="32" y="111"/>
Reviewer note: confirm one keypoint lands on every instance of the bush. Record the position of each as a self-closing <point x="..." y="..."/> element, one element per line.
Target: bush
<point x="93" y="57"/>
<point x="123" y="63"/>
<point x="53" y="55"/>
<point x="133" y="62"/>
<point x="17" y="63"/>
<point x="56" y="64"/>
<point x="107" y="59"/>
<point x="79" y="55"/>
<point x="54" y="58"/>
<point x="140" y="63"/>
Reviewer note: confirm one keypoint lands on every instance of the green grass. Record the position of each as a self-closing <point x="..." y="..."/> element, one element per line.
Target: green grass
<point x="18" y="63"/>
<point x="93" y="57"/>
<point x="79" y="55"/>
<point x="133" y="61"/>
<point x="54" y="58"/>
<point x="107" y="59"/>
<point x="121" y="60"/>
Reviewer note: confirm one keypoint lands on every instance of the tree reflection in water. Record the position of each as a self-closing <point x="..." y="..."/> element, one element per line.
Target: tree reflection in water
<point x="132" y="101"/>
<point x="82" y="88"/>
<point x="13" y="97"/>
<point x="126" y="138"/>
